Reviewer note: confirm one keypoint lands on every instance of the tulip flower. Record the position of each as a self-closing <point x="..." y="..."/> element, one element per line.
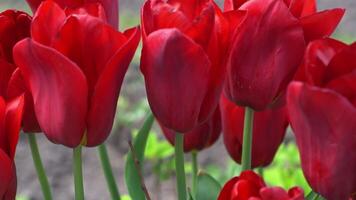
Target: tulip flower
<point x="74" y="66"/>
<point x="10" y="119"/>
<point x="250" y="186"/>
<point x="200" y="137"/>
<point x="268" y="47"/>
<point x="111" y="7"/>
<point x="183" y="59"/>
<point x="323" y="117"/>
<point x="15" y="26"/>
<point x="269" y="128"/>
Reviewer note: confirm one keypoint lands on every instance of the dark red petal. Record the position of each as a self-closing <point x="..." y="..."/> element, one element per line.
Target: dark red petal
<point x="5" y="173"/>
<point x="81" y="40"/>
<point x="34" y="4"/>
<point x="147" y="20"/>
<point x="309" y="8"/>
<point x="190" y="8"/>
<point x="226" y="192"/>
<point x="6" y="70"/>
<point x="111" y="8"/>
<point x="244" y="190"/>
<point x="321" y="24"/>
<point x="342" y="63"/>
<point x="265" y="55"/>
<point x="345" y="85"/>
<point x="176" y="72"/>
<point x="296" y="193"/>
<point x="59" y="90"/>
<point x="17" y="86"/>
<point x="317" y="57"/>
<point x="273" y="193"/>
<point x="200" y="137"/>
<point x="47" y="22"/>
<point x="93" y="9"/>
<point x="324" y="124"/>
<point x="103" y="102"/>
<point x="301" y="8"/>
<point x="268" y="132"/>
<point x="13" y="119"/>
<point x="233" y="4"/>
<point x="252" y="177"/>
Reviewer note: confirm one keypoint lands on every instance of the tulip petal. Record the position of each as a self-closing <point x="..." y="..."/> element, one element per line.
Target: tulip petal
<point x="342" y="63"/>
<point x="103" y="102"/>
<point x="324" y="124"/>
<point x="81" y="40"/>
<point x="266" y="53"/>
<point x="13" y="119"/>
<point x="47" y="22"/>
<point x="59" y="89"/>
<point x="233" y="4"/>
<point x="191" y="8"/>
<point x="176" y="73"/>
<point x="5" y="173"/>
<point x="302" y="8"/>
<point x="17" y="87"/>
<point x="273" y="193"/>
<point x="226" y="192"/>
<point x="321" y="24"/>
<point x="317" y="57"/>
<point x="93" y="9"/>
<point x="111" y="8"/>
<point x="200" y="137"/>
<point x="268" y="124"/>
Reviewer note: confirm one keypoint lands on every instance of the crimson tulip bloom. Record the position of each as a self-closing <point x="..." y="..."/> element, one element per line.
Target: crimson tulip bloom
<point x="111" y="7"/>
<point x="15" y="26"/>
<point x="323" y="116"/>
<point x="74" y="66"/>
<point x="250" y="186"/>
<point x="10" y="119"/>
<point x="200" y="137"/>
<point x="269" y="128"/>
<point x="269" y="45"/>
<point x="183" y="56"/>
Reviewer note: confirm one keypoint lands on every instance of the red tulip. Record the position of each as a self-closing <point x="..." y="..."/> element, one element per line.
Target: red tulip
<point x="268" y="47"/>
<point x="111" y="7"/>
<point x="200" y="137"/>
<point x="269" y="128"/>
<point x="74" y="66"/>
<point x="250" y="186"/>
<point x="15" y="26"/>
<point x="183" y="58"/>
<point x="10" y="120"/>
<point x="323" y="116"/>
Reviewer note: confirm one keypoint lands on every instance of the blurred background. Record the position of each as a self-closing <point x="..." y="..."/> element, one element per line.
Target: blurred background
<point x="159" y="165"/>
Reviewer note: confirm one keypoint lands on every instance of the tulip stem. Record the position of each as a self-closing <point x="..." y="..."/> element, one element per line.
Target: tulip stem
<point x="78" y="173"/>
<point x="260" y="171"/>
<point x="110" y="179"/>
<point x="41" y="173"/>
<point x="180" y="171"/>
<point x="195" y="173"/>
<point x="247" y="139"/>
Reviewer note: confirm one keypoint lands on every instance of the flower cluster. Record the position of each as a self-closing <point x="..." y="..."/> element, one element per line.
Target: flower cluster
<point x="247" y="71"/>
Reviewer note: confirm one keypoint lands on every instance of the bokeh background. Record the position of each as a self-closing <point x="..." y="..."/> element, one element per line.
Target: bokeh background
<point x="159" y="165"/>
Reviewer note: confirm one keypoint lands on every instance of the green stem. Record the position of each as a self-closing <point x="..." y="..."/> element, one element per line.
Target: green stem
<point x="247" y="139"/>
<point x="110" y="179"/>
<point x="180" y="172"/>
<point x="78" y="173"/>
<point x="41" y="174"/>
<point x="195" y="173"/>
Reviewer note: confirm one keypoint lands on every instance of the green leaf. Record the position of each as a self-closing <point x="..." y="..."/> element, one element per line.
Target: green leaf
<point x="132" y="177"/>
<point x="208" y="188"/>
<point x="314" y="196"/>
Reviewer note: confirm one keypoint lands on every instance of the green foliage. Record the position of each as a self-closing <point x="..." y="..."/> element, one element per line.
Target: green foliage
<point x="285" y="171"/>
<point x="20" y="197"/>
<point x="130" y="113"/>
<point x="158" y="148"/>
<point x="208" y="188"/>
<point x="314" y="196"/>
<point x="132" y="177"/>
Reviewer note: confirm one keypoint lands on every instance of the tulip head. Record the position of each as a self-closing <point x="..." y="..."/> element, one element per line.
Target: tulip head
<point x="323" y="116"/>
<point x="75" y="83"/>
<point x="268" y="47"/>
<point x="249" y="186"/>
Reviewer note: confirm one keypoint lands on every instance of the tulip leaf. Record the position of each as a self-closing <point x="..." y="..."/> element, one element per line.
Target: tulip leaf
<point x="314" y="196"/>
<point x="208" y="188"/>
<point x="132" y="177"/>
